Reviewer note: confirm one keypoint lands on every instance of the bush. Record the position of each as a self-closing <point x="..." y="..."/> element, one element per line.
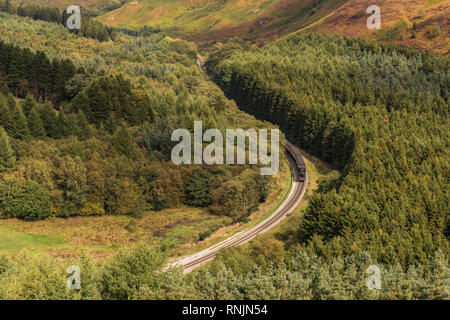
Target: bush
<point x="39" y="276"/>
<point x="197" y="189"/>
<point x="204" y="235"/>
<point x="28" y="201"/>
<point x="92" y="209"/>
<point x="131" y="271"/>
<point x="433" y="31"/>
<point x="360" y="13"/>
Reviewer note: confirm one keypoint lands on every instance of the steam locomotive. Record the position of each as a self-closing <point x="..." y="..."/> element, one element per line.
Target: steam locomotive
<point x="299" y="161"/>
<point x="301" y="174"/>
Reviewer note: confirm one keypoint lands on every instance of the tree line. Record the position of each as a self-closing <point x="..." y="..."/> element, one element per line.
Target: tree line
<point x="263" y="270"/>
<point x="90" y="28"/>
<point x="25" y="72"/>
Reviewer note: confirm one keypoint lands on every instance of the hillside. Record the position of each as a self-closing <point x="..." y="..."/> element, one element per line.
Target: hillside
<point x="210" y="20"/>
<point x="423" y="25"/>
<point x="93" y="6"/>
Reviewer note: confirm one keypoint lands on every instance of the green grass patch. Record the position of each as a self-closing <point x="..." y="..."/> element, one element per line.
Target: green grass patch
<point x="13" y="240"/>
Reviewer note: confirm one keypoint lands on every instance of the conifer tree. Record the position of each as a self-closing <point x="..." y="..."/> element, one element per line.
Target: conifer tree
<point x="48" y="117"/>
<point x="72" y="128"/>
<point x="28" y="104"/>
<point x="123" y="143"/>
<point x="197" y="189"/>
<point x="83" y="129"/>
<point x="11" y="102"/>
<point x="7" y="159"/>
<point x="61" y="126"/>
<point x="5" y="116"/>
<point x="35" y="124"/>
<point x="20" y="124"/>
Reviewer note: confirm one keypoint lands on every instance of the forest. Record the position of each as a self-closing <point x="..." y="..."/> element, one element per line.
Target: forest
<point x="94" y="139"/>
<point x="89" y="27"/>
<point x="23" y="72"/>
<point x="380" y="114"/>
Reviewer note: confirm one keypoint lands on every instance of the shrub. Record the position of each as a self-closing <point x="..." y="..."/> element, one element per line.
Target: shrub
<point x="204" y="235"/>
<point x="130" y="271"/>
<point x="433" y="31"/>
<point x="28" y="201"/>
<point x="360" y="13"/>
<point x="39" y="276"/>
<point x="92" y="209"/>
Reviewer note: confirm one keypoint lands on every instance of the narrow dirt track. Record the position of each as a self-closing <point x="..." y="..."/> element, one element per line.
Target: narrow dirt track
<point x="296" y="194"/>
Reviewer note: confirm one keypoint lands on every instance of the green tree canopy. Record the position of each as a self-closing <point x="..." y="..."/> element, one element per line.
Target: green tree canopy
<point x="35" y="124"/>
<point x="197" y="191"/>
<point x="28" y="201"/>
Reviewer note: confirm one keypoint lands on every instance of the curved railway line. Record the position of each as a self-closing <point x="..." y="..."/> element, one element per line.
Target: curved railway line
<point x="296" y="194"/>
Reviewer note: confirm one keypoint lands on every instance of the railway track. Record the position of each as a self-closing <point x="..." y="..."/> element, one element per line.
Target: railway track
<point x="294" y="197"/>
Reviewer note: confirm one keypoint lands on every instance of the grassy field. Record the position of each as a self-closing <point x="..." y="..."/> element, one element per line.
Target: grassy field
<point x="14" y="240"/>
<point x="411" y="22"/>
<point x="103" y="235"/>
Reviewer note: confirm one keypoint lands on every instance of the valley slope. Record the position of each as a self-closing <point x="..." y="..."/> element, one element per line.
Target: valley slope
<point x="423" y="25"/>
<point x="211" y="20"/>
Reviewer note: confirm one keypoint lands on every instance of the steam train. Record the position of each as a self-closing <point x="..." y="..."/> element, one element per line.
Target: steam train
<point x="299" y="161"/>
<point x="301" y="174"/>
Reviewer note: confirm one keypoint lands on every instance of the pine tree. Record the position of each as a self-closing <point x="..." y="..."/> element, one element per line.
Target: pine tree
<point x="28" y="104"/>
<point x="61" y="126"/>
<point x="45" y="73"/>
<point x="72" y="128"/>
<point x="83" y="129"/>
<point x="64" y="70"/>
<point x="81" y="102"/>
<point x="7" y="159"/>
<point x="20" y="124"/>
<point x="5" y="116"/>
<point x="48" y="117"/>
<point x="197" y="189"/>
<point x="35" y="124"/>
<point x="99" y="102"/>
<point x="11" y="102"/>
